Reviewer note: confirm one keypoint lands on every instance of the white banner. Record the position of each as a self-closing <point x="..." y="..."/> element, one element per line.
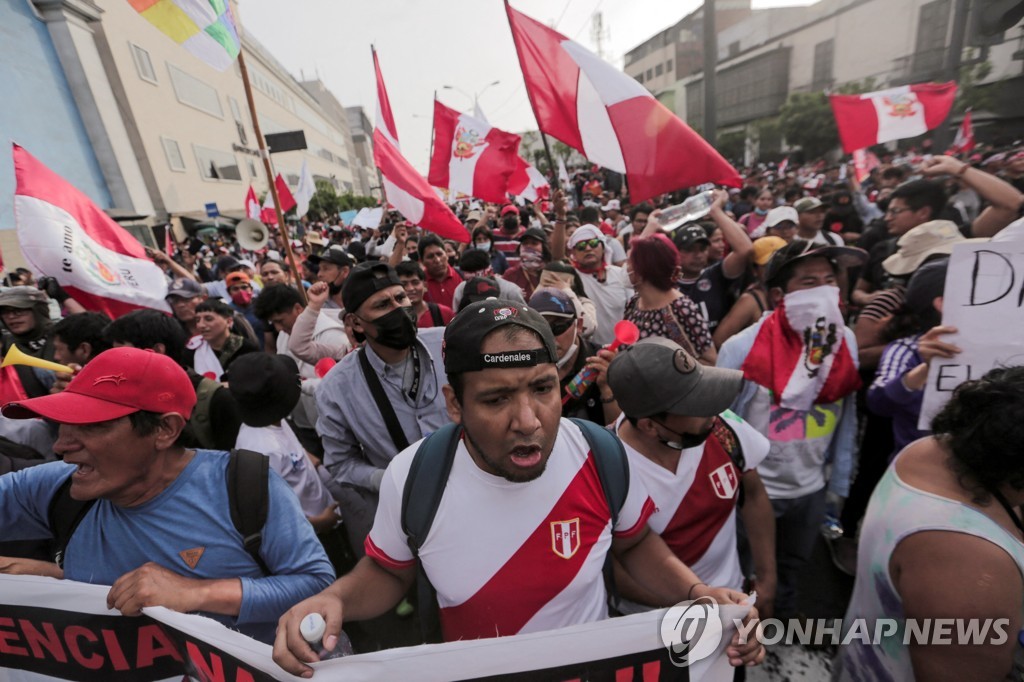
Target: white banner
<point x="62" y="630"/>
<point x="982" y="299"/>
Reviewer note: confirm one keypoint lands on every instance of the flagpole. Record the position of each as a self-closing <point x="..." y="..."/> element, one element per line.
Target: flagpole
<point x="265" y="155"/>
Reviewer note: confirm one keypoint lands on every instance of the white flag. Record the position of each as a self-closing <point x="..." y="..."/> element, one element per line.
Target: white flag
<point x="304" y="192"/>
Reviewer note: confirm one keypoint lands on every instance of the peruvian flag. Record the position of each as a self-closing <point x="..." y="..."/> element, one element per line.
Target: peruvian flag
<point x="405" y="189"/>
<point x="783" y="167"/>
<point x="252" y="205"/>
<point x="269" y="214"/>
<point x="470" y="156"/>
<point x="894" y="114"/>
<point x="609" y="117"/>
<point x="528" y="183"/>
<point x="385" y="122"/>
<point x="964" y="141"/>
<point x="64" y="235"/>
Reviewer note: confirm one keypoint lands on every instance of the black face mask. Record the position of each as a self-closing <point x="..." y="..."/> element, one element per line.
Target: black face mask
<point x="685" y="440"/>
<point x="334" y="289"/>
<point x="397" y="329"/>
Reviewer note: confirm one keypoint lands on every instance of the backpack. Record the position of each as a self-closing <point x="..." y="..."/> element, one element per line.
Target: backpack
<point x="248" y="478"/>
<point x="428" y="477"/>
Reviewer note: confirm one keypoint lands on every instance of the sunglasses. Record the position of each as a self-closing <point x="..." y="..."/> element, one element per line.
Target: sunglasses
<point x="589" y="244"/>
<point x="560" y="325"/>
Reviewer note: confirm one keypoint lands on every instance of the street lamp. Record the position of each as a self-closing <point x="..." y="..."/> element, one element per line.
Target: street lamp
<point x="476" y="97"/>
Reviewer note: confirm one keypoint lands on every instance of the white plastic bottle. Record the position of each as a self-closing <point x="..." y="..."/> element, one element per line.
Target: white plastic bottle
<point x="691" y="210"/>
<point x="312" y="629"/>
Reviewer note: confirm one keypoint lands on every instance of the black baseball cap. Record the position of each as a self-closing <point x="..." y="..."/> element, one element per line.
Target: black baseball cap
<point x="688" y="235"/>
<point x="467" y="331"/>
<point x="656" y="375"/>
<point x="364" y="281"/>
<point x="479" y="289"/>
<point x="335" y="254"/>
<point x="800" y="249"/>
<point x="266" y="387"/>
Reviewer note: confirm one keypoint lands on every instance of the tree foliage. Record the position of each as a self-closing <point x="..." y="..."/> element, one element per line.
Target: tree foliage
<point x="327" y="203"/>
<point x="807" y="122"/>
<point x="971" y="93"/>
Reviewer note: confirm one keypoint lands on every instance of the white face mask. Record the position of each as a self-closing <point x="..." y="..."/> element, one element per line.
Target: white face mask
<point x="570" y="353"/>
<point x="809" y="307"/>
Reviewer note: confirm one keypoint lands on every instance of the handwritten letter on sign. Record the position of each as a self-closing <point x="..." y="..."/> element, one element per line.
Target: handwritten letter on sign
<point x="983" y="299"/>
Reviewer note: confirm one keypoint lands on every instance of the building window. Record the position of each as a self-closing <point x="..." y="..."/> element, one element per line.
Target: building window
<point x="173" y="153"/>
<point x="143" y="64"/>
<point x="195" y="93"/>
<point x="933" y="22"/>
<point x="640" y="77"/>
<point x="734" y="48"/>
<point x="236" y="113"/>
<point x="252" y="167"/>
<point x="650" y="74"/>
<point x="658" y="69"/>
<point x="668" y="66"/>
<point x="217" y="165"/>
<point x="823" y="57"/>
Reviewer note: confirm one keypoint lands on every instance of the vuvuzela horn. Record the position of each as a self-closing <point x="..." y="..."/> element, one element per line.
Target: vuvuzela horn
<point x="16" y="357"/>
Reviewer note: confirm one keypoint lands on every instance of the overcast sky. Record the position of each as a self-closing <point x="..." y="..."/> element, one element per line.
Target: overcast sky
<point x="424" y="45"/>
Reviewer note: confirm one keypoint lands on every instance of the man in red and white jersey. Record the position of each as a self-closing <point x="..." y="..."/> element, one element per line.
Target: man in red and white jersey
<point x="694" y="457"/>
<point x="523" y="527"/>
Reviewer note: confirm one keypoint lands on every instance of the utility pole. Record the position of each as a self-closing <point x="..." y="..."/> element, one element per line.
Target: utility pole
<point x="951" y="70"/>
<point x="710" y="62"/>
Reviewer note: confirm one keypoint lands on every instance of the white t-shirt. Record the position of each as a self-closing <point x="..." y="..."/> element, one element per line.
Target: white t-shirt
<point x="509" y="558"/>
<point x="609" y="299"/>
<point x="695" y="506"/>
<point x="288" y="458"/>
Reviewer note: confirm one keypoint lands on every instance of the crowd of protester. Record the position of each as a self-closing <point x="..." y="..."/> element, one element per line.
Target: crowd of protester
<point x="333" y="370"/>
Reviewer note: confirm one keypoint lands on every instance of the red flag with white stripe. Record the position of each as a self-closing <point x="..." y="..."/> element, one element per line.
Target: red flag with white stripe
<point x="404" y="187"/>
<point x="470" y="156"/>
<point x="963" y="143"/>
<point x="252" y="205"/>
<point x="609" y="117"/>
<point x="894" y="114"/>
<point x="528" y="183"/>
<point x="64" y="235"/>
<point x="385" y="121"/>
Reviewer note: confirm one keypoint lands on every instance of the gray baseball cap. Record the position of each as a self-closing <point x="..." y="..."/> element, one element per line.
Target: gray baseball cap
<point x="656" y="375"/>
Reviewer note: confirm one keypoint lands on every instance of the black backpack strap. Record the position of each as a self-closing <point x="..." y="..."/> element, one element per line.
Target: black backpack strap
<point x="424" y="488"/>
<point x="613" y="470"/>
<point x="435" y="314"/>
<point x="383" y="404"/>
<point x="64" y="514"/>
<point x="248" y="480"/>
<point x="612" y="465"/>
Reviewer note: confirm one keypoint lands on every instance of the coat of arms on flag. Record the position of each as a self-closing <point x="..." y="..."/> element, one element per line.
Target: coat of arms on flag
<point x="724" y="481"/>
<point x="565" y="537"/>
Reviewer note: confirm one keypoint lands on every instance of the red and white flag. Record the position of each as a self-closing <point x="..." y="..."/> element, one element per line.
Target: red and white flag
<point x="528" y="183"/>
<point x="405" y="188"/>
<point x="385" y="121"/>
<point x="471" y="157"/>
<point x="963" y="143"/>
<point x="894" y="114"/>
<point x="252" y="205"/>
<point x="268" y="214"/>
<point x="64" y="235"/>
<point x="783" y="167"/>
<point x="609" y="117"/>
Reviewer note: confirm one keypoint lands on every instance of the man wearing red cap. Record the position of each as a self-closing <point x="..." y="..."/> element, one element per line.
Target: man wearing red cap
<point x="157" y="526"/>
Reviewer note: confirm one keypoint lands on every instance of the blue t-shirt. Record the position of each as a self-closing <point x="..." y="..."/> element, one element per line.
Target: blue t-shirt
<point x="191" y="514"/>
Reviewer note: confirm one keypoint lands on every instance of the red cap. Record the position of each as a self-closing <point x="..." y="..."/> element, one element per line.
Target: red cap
<point x="114" y="384"/>
<point x="505" y="210"/>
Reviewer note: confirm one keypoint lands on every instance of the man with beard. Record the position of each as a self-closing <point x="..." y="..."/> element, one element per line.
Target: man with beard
<point x="377" y="400"/>
<point x="515" y="464"/>
<point x="333" y="268"/>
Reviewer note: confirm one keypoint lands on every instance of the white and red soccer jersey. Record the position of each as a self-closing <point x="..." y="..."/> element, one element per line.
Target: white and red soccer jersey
<point x="508" y="558"/>
<point x="695" y="506"/>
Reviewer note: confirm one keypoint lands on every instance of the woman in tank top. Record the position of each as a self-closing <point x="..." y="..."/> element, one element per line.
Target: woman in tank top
<point x="943" y="539"/>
